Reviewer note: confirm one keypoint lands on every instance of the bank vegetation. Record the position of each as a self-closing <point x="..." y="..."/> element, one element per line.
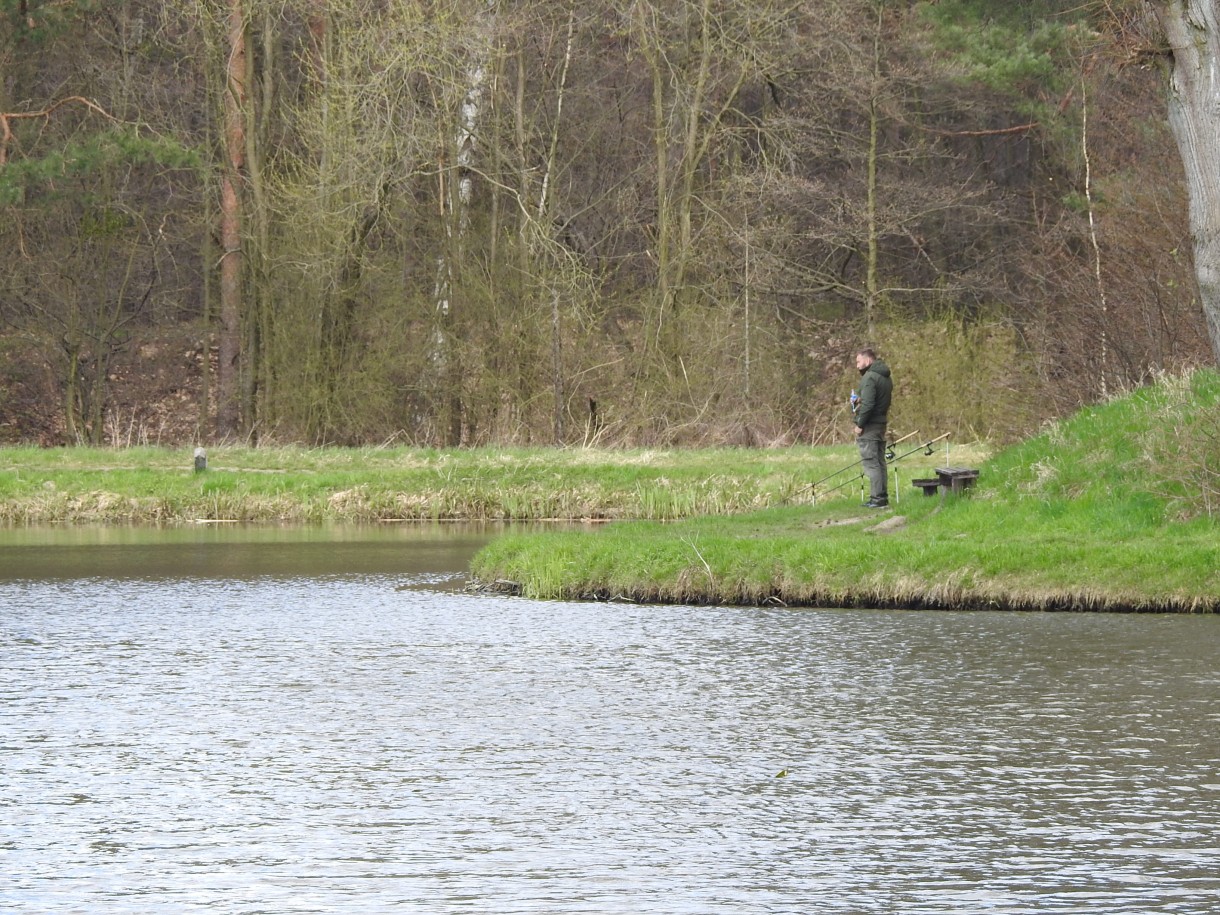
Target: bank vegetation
<point x="1115" y="509"/>
<point x="272" y="485"/>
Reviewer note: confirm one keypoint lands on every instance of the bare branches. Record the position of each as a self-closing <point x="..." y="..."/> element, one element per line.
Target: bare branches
<point x="994" y="132"/>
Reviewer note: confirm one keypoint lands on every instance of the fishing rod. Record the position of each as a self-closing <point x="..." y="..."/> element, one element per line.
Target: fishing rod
<point x="889" y="449"/>
<point x="889" y="453"/>
<point x="890" y="458"/>
<point x="926" y="448"/>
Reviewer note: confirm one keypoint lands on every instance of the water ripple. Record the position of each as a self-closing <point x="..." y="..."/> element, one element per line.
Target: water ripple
<point x="373" y="744"/>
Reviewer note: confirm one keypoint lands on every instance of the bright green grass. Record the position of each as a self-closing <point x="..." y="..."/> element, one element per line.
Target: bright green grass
<point x="1100" y="512"/>
<point x="150" y="485"/>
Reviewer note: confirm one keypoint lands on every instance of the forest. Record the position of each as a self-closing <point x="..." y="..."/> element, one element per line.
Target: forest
<point x="613" y="223"/>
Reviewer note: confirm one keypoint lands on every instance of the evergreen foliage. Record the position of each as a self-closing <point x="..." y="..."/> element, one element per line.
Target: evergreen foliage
<point x="37" y="22"/>
<point x="38" y="178"/>
<point x="1024" y="50"/>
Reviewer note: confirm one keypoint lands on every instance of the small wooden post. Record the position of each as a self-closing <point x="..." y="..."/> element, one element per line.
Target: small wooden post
<point x="201" y="460"/>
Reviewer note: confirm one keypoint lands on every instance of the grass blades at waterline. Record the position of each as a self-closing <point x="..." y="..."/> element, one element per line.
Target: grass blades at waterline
<point x="344" y="485"/>
<point x="1114" y="509"/>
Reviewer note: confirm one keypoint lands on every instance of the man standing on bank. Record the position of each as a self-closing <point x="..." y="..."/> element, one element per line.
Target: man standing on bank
<point x="872" y="413"/>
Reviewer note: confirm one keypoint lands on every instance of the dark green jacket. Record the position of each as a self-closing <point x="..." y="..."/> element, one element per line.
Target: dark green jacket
<point x="875" y="389"/>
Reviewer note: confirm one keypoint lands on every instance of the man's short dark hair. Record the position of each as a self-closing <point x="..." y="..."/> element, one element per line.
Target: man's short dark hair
<point x="866" y="351"/>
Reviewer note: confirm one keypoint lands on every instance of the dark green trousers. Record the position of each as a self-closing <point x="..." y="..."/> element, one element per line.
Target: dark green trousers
<point x="871" y="443"/>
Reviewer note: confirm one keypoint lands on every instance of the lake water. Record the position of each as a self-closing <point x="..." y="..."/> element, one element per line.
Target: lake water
<point x="267" y="721"/>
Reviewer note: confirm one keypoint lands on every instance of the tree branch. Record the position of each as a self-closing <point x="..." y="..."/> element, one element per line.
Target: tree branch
<point x="6" y="132"/>
<point x="996" y="132"/>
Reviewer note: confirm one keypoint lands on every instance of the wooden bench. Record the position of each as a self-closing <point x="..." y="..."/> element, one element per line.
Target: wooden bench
<point x="947" y="479"/>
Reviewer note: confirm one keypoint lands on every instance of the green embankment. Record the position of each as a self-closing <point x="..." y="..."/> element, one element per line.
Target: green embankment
<point x="1113" y="509"/>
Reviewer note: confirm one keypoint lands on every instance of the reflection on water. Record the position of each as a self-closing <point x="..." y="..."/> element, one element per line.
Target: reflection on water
<point x="275" y="741"/>
<point x="237" y="551"/>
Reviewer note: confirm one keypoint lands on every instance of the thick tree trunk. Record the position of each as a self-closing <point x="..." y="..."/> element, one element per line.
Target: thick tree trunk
<point x="1193" y="29"/>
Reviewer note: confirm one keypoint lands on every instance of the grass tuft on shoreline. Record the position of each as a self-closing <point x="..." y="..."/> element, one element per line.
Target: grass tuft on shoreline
<point x="1113" y="509"/>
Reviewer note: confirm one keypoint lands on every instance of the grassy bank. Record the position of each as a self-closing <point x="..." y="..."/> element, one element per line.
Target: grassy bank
<point x="1114" y="509"/>
<point x="299" y="485"/>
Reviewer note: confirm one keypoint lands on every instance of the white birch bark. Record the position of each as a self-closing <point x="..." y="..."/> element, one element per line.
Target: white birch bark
<point x="458" y="195"/>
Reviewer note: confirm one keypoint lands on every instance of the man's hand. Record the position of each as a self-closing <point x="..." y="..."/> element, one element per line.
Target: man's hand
<point x="858" y="430"/>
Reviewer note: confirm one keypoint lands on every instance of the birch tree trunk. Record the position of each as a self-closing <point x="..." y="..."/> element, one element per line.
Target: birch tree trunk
<point x="1193" y="30"/>
<point x="457" y="198"/>
<point x="544" y="218"/>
